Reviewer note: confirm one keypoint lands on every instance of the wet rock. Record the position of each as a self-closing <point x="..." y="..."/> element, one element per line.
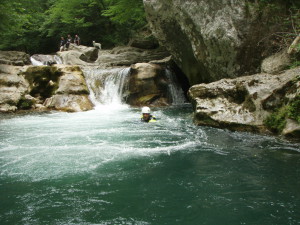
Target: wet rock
<point x="245" y="102"/>
<point x="292" y="129"/>
<point x="147" y="85"/>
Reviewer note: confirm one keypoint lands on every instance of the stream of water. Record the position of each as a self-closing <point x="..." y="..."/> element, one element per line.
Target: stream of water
<point x="106" y="167"/>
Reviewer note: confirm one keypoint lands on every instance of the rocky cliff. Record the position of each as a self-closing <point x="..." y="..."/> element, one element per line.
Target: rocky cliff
<point x="209" y="40"/>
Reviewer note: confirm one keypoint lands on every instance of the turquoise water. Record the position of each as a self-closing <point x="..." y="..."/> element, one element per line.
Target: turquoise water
<point x="105" y="167"/>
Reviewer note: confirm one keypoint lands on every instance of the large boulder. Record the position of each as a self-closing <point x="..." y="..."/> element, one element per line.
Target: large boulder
<point x="14" y="58"/>
<point x="73" y="57"/>
<point x="13" y="87"/>
<point x="209" y="40"/>
<point x="245" y="102"/>
<point x="148" y="85"/>
<point x="72" y="94"/>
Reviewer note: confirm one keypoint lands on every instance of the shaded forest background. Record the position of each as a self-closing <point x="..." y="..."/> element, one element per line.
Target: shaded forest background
<point x="35" y="26"/>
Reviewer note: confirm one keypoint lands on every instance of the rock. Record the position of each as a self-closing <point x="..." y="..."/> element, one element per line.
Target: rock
<point x="89" y="54"/>
<point x="126" y="56"/>
<point x="72" y="92"/>
<point x="79" y="55"/>
<point x="72" y="82"/>
<point x="292" y="129"/>
<point x="73" y="57"/>
<point x="245" y="102"/>
<point x="14" y="58"/>
<point x="209" y="40"/>
<point x="43" y="80"/>
<point x="142" y="42"/>
<point x="276" y="63"/>
<point x="69" y="103"/>
<point x="148" y="85"/>
<point x="12" y="87"/>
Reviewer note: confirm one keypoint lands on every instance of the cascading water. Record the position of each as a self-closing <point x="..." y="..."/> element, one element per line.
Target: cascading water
<point x="175" y="90"/>
<point x="40" y="60"/>
<point x="106" y="85"/>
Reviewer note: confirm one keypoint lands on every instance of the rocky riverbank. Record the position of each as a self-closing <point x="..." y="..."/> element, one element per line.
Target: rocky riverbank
<point x="63" y="87"/>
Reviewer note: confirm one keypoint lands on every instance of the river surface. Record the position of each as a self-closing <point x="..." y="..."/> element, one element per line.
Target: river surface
<point x="106" y="167"/>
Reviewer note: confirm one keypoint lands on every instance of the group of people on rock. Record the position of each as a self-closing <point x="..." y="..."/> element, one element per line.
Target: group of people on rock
<point x="65" y="43"/>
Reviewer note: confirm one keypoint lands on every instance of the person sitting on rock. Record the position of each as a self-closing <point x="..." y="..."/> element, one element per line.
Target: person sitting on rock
<point x="62" y="44"/>
<point x="69" y="41"/>
<point x="146" y="116"/>
<point x="77" y="40"/>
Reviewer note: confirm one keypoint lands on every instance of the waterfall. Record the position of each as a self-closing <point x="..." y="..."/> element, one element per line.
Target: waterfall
<point x="35" y="62"/>
<point x="175" y="90"/>
<point x="40" y="60"/>
<point x="107" y="86"/>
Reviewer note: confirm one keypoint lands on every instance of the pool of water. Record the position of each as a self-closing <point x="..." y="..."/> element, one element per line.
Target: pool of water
<point x="106" y="167"/>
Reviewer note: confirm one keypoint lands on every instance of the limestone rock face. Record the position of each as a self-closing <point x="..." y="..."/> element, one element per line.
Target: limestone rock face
<point x="245" y="102"/>
<point x="14" y="58"/>
<point x="12" y="87"/>
<point x="126" y="56"/>
<point x="72" y="92"/>
<point x="209" y="40"/>
<point x="147" y="85"/>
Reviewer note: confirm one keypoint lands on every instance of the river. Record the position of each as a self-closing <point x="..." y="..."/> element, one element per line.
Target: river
<point x="106" y="167"/>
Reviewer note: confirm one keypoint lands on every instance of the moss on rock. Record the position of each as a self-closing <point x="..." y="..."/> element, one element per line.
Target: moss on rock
<point x="276" y="122"/>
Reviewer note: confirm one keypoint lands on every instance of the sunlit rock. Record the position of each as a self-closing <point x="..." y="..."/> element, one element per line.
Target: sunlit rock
<point x="14" y="58"/>
<point x="72" y="92"/>
<point x="12" y="87"/>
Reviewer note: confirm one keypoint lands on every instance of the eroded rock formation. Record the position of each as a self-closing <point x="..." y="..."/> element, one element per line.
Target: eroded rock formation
<point x="245" y="102"/>
<point x="13" y="87"/>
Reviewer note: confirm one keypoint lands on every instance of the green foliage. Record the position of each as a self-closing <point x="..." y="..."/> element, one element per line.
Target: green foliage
<point x="294" y="109"/>
<point x="277" y="120"/>
<point x="294" y="64"/>
<point x="126" y="12"/>
<point x="36" y="26"/>
<point x="25" y="103"/>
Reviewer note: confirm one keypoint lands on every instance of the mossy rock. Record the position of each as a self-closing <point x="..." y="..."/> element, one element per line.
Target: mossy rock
<point x="43" y="80"/>
<point x="25" y="103"/>
<point x="276" y="122"/>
